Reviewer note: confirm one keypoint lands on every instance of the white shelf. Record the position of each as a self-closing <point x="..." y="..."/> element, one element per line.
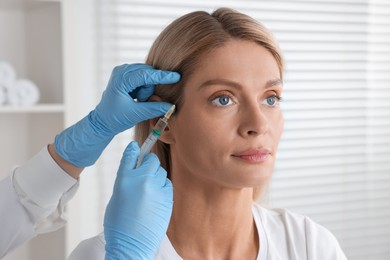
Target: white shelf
<point x="39" y="108"/>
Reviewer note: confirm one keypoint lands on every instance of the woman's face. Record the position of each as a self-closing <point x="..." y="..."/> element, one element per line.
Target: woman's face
<point x="228" y="128"/>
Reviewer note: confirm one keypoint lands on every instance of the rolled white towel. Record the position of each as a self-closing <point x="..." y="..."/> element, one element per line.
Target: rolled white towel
<point x="7" y="73"/>
<point x="23" y="93"/>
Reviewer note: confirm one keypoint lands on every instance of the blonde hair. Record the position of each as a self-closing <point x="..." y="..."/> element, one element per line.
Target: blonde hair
<point x="182" y="45"/>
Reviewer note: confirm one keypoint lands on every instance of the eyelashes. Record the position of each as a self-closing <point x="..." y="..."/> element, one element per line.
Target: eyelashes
<point x="223" y="100"/>
<point x="227" y="99"/>
<point x="272" y="101"/>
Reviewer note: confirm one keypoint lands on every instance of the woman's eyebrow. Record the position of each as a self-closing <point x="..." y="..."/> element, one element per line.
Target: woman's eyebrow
<point x="270" y="83"/>
<point x="274" y="82"/>
<point x="225" y="82"/>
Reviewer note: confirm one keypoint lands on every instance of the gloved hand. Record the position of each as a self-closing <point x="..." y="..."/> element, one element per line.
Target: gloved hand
<point x="83" y="143"/>
<point x="140" y="208"/>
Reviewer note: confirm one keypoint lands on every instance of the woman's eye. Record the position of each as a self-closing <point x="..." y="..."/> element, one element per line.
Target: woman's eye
<point x="222" y="101"/>
<point x="271" y="101"/>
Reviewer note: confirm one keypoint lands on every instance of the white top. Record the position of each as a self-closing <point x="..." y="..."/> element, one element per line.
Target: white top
<point x="283" y="235"/>
<point x="32" y="200"/>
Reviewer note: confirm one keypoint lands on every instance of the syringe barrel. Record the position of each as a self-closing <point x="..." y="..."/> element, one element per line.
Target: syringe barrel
<point x="147" y="147"/>
<point x="161" y="124"/>
<point x="153" y="136"/>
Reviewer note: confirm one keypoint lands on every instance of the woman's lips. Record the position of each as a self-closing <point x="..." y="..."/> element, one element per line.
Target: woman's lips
<point x="253" y="155"/>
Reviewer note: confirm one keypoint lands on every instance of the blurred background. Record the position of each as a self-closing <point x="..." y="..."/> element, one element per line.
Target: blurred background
<point x="334" y="158"/>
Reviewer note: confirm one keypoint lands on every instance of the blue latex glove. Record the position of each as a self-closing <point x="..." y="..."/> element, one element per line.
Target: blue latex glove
<point x="83" y="143"/>
<point x="139" y="211"/>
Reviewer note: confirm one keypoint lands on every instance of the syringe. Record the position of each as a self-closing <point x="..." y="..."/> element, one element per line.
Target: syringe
<point x="156" y="132"/>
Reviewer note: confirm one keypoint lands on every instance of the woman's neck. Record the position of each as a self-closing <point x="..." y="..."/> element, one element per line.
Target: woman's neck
<point x="210" y="222"/>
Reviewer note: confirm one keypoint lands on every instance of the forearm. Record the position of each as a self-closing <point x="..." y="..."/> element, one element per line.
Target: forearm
<point x="69" y="168"/>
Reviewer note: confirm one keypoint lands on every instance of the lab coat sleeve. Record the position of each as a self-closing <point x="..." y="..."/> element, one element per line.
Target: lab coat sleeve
<point x="15" y="224"/>
<point x="32" y="200"/>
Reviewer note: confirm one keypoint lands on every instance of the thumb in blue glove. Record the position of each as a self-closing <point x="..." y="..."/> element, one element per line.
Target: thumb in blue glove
<point x="139" y="211"/>
<point x="83" y="143"/>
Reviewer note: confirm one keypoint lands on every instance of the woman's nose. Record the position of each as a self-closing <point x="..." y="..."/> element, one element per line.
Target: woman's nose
<point x="253" y="121"/>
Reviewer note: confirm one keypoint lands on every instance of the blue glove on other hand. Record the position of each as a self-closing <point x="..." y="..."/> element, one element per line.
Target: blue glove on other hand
<point x="83" y="143"/>
<point x="139" y="211"/>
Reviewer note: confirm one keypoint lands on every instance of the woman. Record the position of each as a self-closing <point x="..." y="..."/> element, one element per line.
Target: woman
<point x="220" y="148"/>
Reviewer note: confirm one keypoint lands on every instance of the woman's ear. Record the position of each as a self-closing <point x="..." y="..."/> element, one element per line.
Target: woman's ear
<point x="166" y="137"/>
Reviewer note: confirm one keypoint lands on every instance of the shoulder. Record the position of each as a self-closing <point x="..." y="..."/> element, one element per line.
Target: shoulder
<point x="321" y="242"/>
<point x="281" y="219"/>
<point x="298" y="233"/>
<point x="90" y="249"/>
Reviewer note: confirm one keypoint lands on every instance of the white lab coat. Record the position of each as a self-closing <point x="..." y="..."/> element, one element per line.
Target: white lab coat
<point x="283" y="235"/>
<point x="32" y="200"/>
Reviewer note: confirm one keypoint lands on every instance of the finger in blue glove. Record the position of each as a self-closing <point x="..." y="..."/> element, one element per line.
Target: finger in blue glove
<point x="83" y="143"/>
<point x="140" y="208"/>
